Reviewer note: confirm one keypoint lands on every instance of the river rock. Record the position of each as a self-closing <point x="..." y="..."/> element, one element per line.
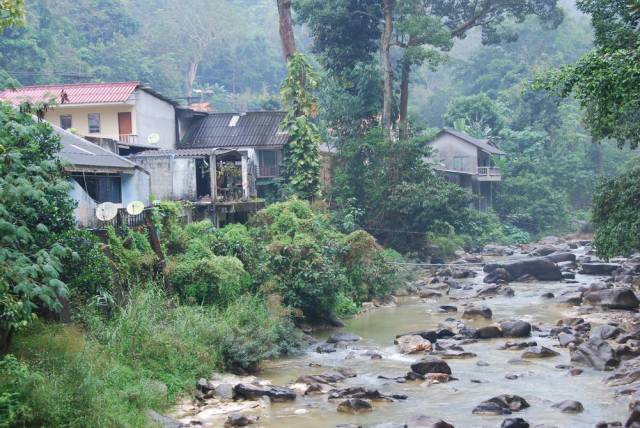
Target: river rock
<point x="539" y="352"/>
<point x="569" y="406"/>
<point x="599" y="268"/>
<point x="595" y="353"/>
<point x="477" y="312"/>
<point x="430" y="335"/>
<point x="573" y="298"/>
<point x="514" y="423"/>
<point x="430" y="364"/>
<point x="487" y="332"/>
<point x="412" y="344"/>
<point x="539" y="268"/>
<point x="254" y="392"/>
<point x="515" y="328"/>
<point x="343" y="337"/>
<point x="561" y="257"/>
<point x="566" y="338"/>
<point x="163" y="421"/>
<point x="495" y="290"/>
<point x="517" y="346"/>
<point x="543" y="250"/>
<point x="447" y="309"/>
<point x="326" y="348"/>
<point x="240" y="421"/>
<point x="355" y="405"/>
<point x="497" y="250"/>
<point x="615" y="298"/>
<point x="501" y="405"/>
<point x="498" y="275"/>
<point x="606" y="331"/>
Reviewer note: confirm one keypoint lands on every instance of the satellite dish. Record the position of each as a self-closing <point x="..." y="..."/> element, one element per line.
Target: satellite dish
<point x="106" y="211"/>
<point x="135" y="207"/>
<point x="153" y="138"/>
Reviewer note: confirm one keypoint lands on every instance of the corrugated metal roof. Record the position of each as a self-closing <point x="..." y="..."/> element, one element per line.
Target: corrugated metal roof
<point x="77" y="93"/>
<point x="84" y="154"/>
<point x="481" y="144"/>
<point x="253" y="129"/>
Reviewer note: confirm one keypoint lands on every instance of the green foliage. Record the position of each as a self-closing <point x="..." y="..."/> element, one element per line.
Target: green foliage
<point x="11" y="13"/>
<point x="87" y="270"/>
<point x="15" y="380"/>
<point x="301" y="155"/>
<point x="135" y="262"/>
<point x="479" y="113"/>
<point x="615" y="214"/>
<point x="34" y="206"/>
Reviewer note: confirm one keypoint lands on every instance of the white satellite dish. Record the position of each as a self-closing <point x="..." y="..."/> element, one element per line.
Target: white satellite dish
<point x="153" y="138"/>
<point x="135" y="207"/>
<point x="106" y="211"/>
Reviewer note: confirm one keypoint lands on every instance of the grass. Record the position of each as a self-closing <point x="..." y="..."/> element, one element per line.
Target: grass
<point x="108" y="373"/>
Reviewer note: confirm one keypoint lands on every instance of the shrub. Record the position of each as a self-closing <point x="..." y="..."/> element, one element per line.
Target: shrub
<point x="87" y="271"/>
<point x="199" y="276"/>
<point x="616" y="216"/>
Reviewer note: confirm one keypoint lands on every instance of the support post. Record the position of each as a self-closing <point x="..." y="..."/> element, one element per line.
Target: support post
<point x="213" y="178"/>
<point x="245" y="177"/>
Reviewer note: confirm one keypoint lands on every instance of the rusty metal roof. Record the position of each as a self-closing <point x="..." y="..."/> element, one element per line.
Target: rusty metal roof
<point x="76" y="93"/>
<point x="252" y="129"/>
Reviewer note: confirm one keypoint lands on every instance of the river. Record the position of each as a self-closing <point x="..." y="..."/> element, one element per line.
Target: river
<point x="539" y="381"/>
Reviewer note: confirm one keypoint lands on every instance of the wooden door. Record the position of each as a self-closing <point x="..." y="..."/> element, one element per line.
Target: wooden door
<point x="125" y="126"/>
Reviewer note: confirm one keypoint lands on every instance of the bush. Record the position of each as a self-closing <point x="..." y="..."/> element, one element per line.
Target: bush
<point x="616" y="216"/>
<point x="199" y="276"/>
<point x="87" y="271"/>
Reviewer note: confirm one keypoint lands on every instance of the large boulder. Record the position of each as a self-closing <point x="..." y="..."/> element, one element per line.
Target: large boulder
<point x="599" y="268"/>
<point x="537" y="267"/>
<point x="430" y="335"/>
<point x="595" y="353"/>
<point x="561" y="257"/>
<point x="515" y="328"/>
<point x="250" y="391"/>
<point x="539" y="352"/>
<point x="569" y="406"/>
<point x="412" y="344"/>
<point x="431" y="364"/>
<point x="613" y="298"/>
<point x="514" y="423"/>
<point x="487" y="332"/>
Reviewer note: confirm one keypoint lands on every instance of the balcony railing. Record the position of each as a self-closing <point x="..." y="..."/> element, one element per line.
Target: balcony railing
<point x="488" y="171"/>
<point x="266" y="171"/>
<point x="129" y="139"/>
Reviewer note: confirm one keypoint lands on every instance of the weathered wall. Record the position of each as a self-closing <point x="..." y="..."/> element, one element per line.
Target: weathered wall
<point x="446" y="147"/>
<point x="136" y="187"/>
<point x="85" y="212"/>
<point x="154" y="116"/>
<point x="171" y="178"/>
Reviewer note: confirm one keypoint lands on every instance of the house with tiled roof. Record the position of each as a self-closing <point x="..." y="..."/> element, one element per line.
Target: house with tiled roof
<point x="125" y="117"/>
<point x="469" y="162"/>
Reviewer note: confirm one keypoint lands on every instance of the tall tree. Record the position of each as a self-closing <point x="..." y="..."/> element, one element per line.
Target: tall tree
<point x="287" y="37"/>
<point x="385" y="54"/>
<point x="11" y="13"/>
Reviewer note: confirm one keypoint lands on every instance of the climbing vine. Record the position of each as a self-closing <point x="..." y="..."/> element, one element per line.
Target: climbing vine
<point x="301" y="157"/>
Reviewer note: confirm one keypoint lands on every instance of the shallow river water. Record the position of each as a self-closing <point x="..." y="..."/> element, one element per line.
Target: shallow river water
<point x="539" y="382"/>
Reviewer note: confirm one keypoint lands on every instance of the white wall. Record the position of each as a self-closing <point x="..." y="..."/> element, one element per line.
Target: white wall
<point x="154" y="116"/>
<point x="136" y="187"/>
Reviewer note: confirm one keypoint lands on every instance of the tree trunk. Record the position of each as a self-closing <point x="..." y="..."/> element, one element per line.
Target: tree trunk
<point x="192" y="73"/>
<point x="387" y="121"/>
<point x="403" y="123"/>
<point x="287" y="37"/>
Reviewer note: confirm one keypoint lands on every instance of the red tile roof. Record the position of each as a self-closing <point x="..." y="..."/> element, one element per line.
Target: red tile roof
<point x="76" y="93"/>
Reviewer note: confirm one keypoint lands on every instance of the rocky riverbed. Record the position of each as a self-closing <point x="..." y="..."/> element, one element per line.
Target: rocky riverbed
<point x="540" y="336"/>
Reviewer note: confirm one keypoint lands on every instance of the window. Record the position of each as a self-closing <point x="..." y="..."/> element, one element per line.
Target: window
<point x="94" y="123"/>
<point x="65" y="121"/>
<point x="268" y="163"/>
<point x="101" y="187"/>
<point x="458" y="163"/>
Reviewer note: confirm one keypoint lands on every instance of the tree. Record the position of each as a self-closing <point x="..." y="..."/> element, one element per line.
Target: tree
<point x="615" y="214"/>
<point x="479" y="113"/>
<point x="34" y="206"/>
<point x="301" y="156"/>
<point x="11" y="13"/>
<point x="287" y="37"/>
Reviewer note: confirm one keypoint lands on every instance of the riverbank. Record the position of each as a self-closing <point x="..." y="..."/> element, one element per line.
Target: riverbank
<point x="565" y="336"/>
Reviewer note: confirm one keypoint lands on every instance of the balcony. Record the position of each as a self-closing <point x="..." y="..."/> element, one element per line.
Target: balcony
<point x="128" y="139"/>
<point x="489" y="173"/>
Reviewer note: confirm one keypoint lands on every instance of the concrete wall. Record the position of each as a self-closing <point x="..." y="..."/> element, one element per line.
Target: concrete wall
<point x="136" y="187"/>
<point x="85" y="212"/>
<point x="446" y="147"/>
<point x="154" y="116"/>
<point x="80" y="120"/>
<point x="171" y="178"/>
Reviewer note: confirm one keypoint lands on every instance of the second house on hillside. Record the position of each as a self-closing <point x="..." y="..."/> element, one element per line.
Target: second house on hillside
<point x="469" y="162"/>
